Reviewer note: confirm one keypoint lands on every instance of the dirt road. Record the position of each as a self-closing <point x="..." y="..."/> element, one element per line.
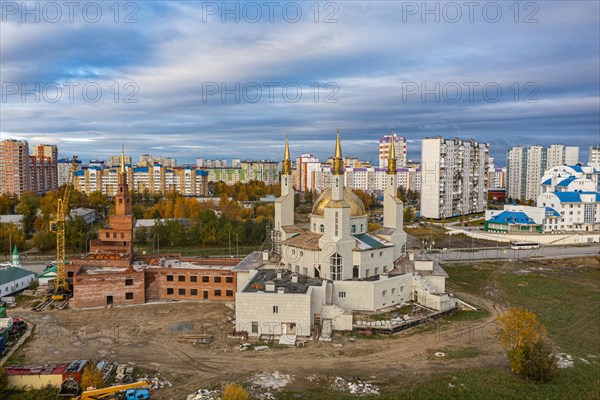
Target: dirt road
<point x="147" y="337"/>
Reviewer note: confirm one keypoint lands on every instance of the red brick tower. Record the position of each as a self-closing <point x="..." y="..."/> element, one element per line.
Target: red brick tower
<point x="117" y="237"/>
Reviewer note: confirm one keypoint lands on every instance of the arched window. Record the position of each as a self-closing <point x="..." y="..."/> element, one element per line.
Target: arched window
<point x="361" y="228"/>
<point x="322" y="228"/>
<point x="353" y="230"/>
<point x="315" y="227"/>
<point x="335" y="263"/>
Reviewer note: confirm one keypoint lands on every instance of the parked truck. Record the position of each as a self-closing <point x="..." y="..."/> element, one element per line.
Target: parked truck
<point x="133" y="391"/>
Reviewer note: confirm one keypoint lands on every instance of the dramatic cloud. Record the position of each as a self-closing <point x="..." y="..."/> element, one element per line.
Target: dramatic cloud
<point x="229" y="79"/>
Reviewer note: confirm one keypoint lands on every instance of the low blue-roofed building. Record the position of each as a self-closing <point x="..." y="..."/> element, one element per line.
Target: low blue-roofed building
<point x="512" y="220"/>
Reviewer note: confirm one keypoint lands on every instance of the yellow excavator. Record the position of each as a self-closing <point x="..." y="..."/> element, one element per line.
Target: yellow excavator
<point x="61" y="286"/>
<point x="133" y="391"/>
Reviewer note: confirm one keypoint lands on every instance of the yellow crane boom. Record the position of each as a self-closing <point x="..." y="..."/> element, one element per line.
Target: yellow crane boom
<point x="96" y="394"/>
<point x="61" y="286"/>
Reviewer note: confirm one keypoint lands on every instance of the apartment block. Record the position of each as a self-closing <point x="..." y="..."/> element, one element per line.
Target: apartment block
<point x="384" y="150"/>
<point x="188" y="181"/>
<point x="453" y="177"/>
<point x="44" y="168"/>
<point x="264" y="171"/>
<point x="526" y="166"/>
<point x="307" y="169"/>
<point x="594" y="155"/>
<point x="21" y="172"/>
<point x="63" y="169"/>
<point x="15" y="173"/>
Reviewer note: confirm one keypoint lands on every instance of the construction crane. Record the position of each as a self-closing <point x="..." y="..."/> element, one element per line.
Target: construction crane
<point x="61" y="286"/>
<point x="133" y="391"/>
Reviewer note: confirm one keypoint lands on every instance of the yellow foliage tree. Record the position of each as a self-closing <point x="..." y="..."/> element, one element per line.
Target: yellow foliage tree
<point x="234" y="392"/>
<point x="91" y="377"/>
<point x="519" y="329"/>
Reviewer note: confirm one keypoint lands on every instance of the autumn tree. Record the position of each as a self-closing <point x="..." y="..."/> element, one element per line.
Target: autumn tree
<point x="409" y="215"/>
<point x="44" y="240"/>
<point x="91" y="377"/>
<point x="523" y="337"/>
<point x="10" y="235"/>
<point x="28" y="207"/>
<point x="234" y="392"/>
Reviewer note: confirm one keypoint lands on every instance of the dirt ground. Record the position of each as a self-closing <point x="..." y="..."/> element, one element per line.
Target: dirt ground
<point x="442" y="239"/>
<point x="146" y="336"/>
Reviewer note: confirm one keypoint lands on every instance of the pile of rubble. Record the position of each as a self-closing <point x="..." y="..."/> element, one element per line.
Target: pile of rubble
<point x="204" y="394"/>
<point x="358" y="388"/>
<point x="273" y="380"/>
<point x="245" y="346"/>
<point x="386" y="323"/>
<point x="564" y="360"/>
<point x="124" y="374"/>
<point x="158" y="383"/>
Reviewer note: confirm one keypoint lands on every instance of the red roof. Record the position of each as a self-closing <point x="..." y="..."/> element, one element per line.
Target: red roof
<point x="37" y="370"/>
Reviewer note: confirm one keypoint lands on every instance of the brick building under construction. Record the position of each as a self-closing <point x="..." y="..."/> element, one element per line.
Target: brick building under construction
<point x="112" y="275"/>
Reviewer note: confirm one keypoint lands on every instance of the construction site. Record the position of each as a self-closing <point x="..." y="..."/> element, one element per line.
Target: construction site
<point x="170" y="327"/>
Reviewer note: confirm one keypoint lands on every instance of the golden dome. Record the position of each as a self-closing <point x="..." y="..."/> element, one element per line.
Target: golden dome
<point x="357" y="208"/>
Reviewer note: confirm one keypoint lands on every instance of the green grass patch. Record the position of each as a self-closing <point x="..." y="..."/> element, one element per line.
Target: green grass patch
<point x="24" y="301"/>
<point x="467" y="315"/>
<point x="47" y="393"/>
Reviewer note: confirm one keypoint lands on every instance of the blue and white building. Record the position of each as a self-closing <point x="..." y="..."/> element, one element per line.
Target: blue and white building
<point x="570" y="201"/>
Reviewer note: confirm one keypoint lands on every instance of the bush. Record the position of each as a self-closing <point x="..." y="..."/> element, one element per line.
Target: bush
<point x="539" y="364"/>
<point x="3" y="380"/>
<point x="524" y="338"/>
<point x="91" y="377"/>
<point x="234" y="392"/>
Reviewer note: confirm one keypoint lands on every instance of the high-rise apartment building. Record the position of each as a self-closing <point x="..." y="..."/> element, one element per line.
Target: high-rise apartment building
<point x="594" y="156"/>
<point x="307" y="169"/>
<point x="263" y="170"/>
<point x="526" y="166"/>
<point x="64" y="167"/>
<point x="147" y="160"/>
<point x="21" y="172"/>
<point x="384" y="150"/>
<point x="453" y="177"/>
<point x="15" y="173"/>
<point x="44" y="168"/>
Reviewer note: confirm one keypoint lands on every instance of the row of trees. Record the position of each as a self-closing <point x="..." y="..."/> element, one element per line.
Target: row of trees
<point x="208" y="230"/>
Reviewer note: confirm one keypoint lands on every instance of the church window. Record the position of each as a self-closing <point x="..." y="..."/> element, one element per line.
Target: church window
<point x="336" y="223"/>
<point x="341" y="294"/>
<point x="336" y="267"/>
<point x="367" y="272"/>
<point x="353" y="228"/>
<point x="315" y="227"/>
<point x="361" y="227"/>
<point x="322" y="228"/>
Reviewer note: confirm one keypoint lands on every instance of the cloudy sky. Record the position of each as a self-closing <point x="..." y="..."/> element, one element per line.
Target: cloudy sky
<point x="229" y="80"/>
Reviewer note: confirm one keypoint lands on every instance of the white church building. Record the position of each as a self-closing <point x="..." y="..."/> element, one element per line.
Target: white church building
<point x="315" y="278"/>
